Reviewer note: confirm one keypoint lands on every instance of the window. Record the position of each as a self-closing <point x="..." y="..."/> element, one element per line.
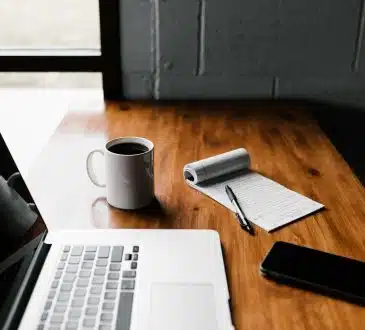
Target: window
<point x="50" y="37"/>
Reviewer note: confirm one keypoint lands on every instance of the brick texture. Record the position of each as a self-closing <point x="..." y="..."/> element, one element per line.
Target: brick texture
<point x="173" y="49"/>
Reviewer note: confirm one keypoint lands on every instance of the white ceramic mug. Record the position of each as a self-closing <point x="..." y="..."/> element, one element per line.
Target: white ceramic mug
<point x="129" y="177"/>
<point x="16" y="215"/>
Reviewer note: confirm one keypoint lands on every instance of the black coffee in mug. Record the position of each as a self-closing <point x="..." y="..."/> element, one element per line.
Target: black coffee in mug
<point x="128" y="172"/>
<point x="128" y="148"/>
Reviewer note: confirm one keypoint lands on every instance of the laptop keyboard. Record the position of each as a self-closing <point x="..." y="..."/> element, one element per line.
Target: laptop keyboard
<point x="92" y="288"/>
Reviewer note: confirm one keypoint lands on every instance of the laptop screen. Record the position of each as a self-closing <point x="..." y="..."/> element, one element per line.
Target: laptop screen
<point x="20" y="224"/>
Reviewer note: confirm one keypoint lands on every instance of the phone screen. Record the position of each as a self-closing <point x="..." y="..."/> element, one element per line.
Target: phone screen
<point x="315" y="268"/>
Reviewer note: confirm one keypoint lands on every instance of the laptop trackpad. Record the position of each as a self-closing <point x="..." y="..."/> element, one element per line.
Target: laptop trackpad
<point x="183" y="306"/>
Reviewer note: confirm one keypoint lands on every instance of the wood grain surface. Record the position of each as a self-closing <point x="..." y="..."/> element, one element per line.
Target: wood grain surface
<point x="285" y="144"/>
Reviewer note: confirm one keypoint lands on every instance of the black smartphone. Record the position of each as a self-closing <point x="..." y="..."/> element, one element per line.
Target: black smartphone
<point x="318" y="271"/>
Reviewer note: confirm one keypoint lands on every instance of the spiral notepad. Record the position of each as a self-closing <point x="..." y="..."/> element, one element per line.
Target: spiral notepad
<point x="266" y="203"/>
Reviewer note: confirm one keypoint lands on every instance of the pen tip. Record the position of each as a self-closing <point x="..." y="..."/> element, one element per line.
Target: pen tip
<point x="249" y="230"/>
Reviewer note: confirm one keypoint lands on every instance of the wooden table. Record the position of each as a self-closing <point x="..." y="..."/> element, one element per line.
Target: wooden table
<point x="285" y="144"/>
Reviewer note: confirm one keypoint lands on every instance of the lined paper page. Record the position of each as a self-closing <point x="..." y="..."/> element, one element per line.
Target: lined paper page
<point x="265" y="202"/>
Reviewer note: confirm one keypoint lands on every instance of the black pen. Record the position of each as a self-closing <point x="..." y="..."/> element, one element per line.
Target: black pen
<point x="245" y="225"/>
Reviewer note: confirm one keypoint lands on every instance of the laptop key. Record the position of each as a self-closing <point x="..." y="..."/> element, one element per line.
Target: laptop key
<point x="60" y="308"/>
<point x="81" y="292"/>
<point x="78" y="303"/>
<point x="93" y="301"/>
<point x="91" y="248"/>
<point x="127" y="284"/>
<point x="61" y="265"/>
<point x="44" y="316"/>
<point x="74" y="260"/>
<point x="67" y="287"/>
<point x="72" y="269"/>
<point x="41" y="327"/>
<point x="108" y="317"/>
<point x="129" y="273"/>
<point x="135" y="256"/>
<point x="136" y="249"/>
<point x="95" y="290"/>
<point x="54" y="284"/>
<point x="85" y="273"/>
<point x="71" y="325"/>
<point x="117" y="254"/>
<point x="77" y="250"/>
<point x="54" y="327"/>
<point x="89" y="256"/>
<point x="89" y="323"/>
<point x="48" y="305"/>
<point x="63" y="297"/>
<point x="133" y="265"/>
<point x="107" y="306"/>
<point x="110" y="295"/>
<point x="58" y="275"/>
<point x="90" y="311"/>
<point x="74" y="313"/>
<point x="113" y="276"/>
<point x="56" y="319"/>
<point x="104" y="327"/>
<point x="112" y="285"/>
<point x="82" y="282"/>
<point x="99" y="271"/>
<point x="124" y="311"/>
<point x="128" y="256"/>
<point x="69" y="278"/>
<point x="98" y="280"/>
<point x="66" y="248"/>
<point x="51" y="294"/>
<point x="87" y="265"/>
<point x="64" y="256"/>
<point x="101" y="262"/>
<point x="114" y="267"/>
<point x="103" y="252"/>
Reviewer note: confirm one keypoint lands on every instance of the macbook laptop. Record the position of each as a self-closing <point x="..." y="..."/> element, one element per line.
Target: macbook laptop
<point x="109" y="279"/>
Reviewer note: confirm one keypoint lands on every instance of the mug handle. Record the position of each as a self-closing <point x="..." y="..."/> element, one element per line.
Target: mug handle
<point x="90" y="168"/>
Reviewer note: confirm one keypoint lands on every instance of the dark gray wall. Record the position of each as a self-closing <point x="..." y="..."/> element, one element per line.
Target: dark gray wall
<point x="241" y="48"/>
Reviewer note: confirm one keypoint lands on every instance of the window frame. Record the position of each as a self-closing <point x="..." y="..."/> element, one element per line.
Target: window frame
<point x="107" y="60"/>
